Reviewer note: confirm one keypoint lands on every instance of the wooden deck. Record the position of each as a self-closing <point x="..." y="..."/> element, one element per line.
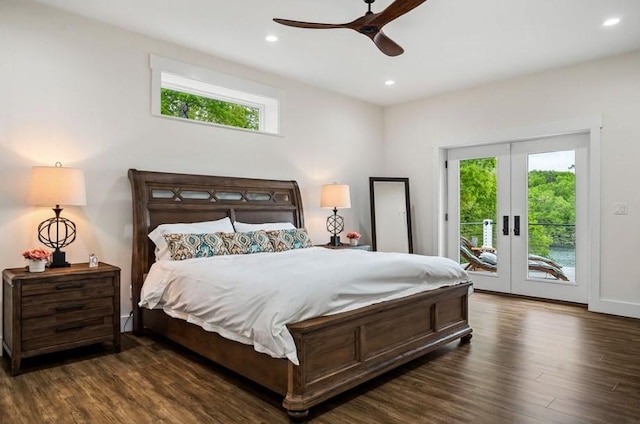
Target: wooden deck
<point x="528" y="362"/>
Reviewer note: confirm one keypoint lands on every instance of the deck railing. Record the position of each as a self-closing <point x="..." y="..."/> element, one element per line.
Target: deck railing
<point x="561" y="248"/>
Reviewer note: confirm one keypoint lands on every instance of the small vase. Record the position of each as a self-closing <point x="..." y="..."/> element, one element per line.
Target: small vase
<point x="353" y="242"/>
<point x="37" y="265"/>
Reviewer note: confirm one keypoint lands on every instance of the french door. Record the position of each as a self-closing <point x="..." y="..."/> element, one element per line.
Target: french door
<point x="517" y="216"/>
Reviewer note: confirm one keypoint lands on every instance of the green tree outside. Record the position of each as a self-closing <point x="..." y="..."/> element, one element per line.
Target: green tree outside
<point x="199" y="108"/>
<point x="478" y="195"/>
<point x="552" y="199"/>
<point x="551" y="202"/>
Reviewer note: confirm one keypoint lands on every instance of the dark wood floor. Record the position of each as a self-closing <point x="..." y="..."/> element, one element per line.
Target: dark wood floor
<point x="528" y="362"/>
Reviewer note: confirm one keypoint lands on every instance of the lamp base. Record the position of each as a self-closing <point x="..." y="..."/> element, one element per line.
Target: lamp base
<point x="335" y="225"/>
<point x="59" y="260"/>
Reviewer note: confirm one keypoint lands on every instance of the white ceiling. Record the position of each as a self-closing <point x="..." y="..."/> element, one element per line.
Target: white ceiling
<point x="449" y="44"/>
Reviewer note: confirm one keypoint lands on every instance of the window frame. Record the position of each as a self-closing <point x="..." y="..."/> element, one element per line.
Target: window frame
<point x="191" y="79"/>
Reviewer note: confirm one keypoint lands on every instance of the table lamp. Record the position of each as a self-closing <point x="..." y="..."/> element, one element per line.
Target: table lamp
<point x="55" y="185"/>
<point x="335" y="196"/>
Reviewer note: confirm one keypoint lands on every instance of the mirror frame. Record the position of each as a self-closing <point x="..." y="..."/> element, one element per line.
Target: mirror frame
<point x="405" y="181"/>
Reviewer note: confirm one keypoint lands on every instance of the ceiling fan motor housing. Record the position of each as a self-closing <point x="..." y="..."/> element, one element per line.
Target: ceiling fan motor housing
<point x="369" y="29"/>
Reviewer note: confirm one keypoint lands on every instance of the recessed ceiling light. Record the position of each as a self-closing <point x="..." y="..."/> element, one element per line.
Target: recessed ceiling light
<point x="272" y="38"/>
<point x="611" y="22"/>
<point x="389" y="82"/>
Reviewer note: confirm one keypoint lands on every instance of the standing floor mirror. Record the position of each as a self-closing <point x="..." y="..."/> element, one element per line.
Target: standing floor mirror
<point x="390" y="215"/>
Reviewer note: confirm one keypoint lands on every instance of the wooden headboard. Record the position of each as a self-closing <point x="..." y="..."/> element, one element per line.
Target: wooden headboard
<point x="162" y="198"/>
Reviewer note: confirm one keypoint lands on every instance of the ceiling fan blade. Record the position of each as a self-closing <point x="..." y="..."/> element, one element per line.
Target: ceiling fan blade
<point x="311" y="25"/>
<point x="370" y="24"/>
<point x="387" y="45"/>
<point x="394" y="11"/>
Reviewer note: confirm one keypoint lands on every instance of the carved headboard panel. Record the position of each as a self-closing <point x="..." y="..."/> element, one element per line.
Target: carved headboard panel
<point x="161" y="198"/>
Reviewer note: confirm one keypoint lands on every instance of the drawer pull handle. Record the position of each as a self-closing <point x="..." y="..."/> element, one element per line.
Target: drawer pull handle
<point x="69" y="308"/>
<point x="70" y="286"/>
<point x="69" y="327"/>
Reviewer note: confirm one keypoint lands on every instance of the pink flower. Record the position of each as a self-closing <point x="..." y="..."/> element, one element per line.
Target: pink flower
<point x="38" y="254"/>
<point x="353" y="235"/>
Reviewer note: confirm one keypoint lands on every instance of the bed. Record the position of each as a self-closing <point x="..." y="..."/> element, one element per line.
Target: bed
<point x="336" y="352"/>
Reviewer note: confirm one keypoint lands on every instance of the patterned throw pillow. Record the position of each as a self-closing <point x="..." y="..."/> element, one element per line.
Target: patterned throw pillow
<point x="251" y="242"/>
<point x="189" y="246"/>
<point x="289" y="239"/>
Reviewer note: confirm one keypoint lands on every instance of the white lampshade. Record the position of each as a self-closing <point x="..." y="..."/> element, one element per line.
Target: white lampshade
<point x="335" y="196"/>
<point x="57" y="186"/>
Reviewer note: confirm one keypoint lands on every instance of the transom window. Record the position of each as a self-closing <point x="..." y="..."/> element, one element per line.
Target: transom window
<point x="195" y="94"/>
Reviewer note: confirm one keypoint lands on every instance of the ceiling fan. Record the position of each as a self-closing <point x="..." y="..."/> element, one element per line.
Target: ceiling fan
<point x="370" y="24"/>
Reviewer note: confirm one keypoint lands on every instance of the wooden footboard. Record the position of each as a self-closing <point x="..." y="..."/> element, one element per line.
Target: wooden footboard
<point x="339" y="352"/>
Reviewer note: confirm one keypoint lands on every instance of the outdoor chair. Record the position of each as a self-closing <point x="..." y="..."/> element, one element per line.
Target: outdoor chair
<point x="474" y="262"/>
<point x="548" y="268"/>
<point x="488" y="262"/>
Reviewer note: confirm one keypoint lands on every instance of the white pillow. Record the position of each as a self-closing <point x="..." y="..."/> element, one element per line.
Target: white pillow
<point x="269" y="226"/>
<point x="208" y="227"/>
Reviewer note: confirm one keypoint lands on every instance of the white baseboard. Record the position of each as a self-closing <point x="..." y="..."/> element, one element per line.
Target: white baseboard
<point x="615" y="307"/>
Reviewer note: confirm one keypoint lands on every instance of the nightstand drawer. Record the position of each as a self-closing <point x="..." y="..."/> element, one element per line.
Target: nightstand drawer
<point x="67" y="288"/>
<point x="35" y="304"/>
<point x="35" y="327"/>
<point x="40" y="306"/>
<point x="61" y="334"/>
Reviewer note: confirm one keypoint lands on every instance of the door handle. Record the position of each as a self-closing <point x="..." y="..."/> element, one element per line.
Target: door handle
<point x="505" y="225"/>
<point x="516" y="225"/>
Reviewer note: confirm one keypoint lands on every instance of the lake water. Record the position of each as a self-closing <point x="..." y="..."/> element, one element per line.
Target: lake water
<point x="564" y="255"/>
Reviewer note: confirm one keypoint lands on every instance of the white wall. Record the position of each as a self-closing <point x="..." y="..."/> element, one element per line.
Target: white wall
<point x="609" y="88"/>
<point x="77" y="91"/>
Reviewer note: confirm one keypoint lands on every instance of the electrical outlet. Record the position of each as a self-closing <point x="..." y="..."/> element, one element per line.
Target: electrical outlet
<point x="619" y="208"/>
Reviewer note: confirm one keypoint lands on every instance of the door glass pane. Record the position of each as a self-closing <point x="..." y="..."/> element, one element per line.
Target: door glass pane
<point x="552" y="216"/>
<point x="478" y="214"/>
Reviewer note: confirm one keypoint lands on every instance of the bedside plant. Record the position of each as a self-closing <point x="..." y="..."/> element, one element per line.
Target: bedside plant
<point x="37" y="258"/>
<point x="353" y="237"/>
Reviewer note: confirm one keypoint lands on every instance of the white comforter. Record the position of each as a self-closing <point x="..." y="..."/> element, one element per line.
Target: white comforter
<point x="251" y="298"/>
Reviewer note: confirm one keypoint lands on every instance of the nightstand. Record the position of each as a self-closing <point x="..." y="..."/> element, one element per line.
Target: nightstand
<point x="346" y="246"/>
<point x="59" y="309"/>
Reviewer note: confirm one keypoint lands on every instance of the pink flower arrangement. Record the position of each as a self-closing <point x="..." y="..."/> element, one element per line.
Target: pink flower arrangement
<point x="38" y="254"/>
<point x="353" y="235"/>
